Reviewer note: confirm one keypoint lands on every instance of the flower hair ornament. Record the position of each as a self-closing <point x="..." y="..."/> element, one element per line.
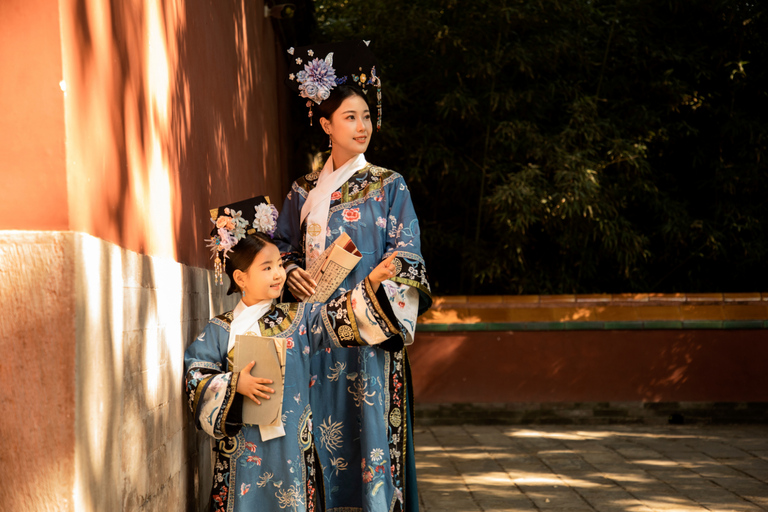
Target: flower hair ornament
<point x="315" y="70"/>
<point x="231" y="223"/>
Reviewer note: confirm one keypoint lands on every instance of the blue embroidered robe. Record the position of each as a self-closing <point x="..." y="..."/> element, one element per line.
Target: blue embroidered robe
<point x="365" y="393"/>
<point x="282" y="473"/>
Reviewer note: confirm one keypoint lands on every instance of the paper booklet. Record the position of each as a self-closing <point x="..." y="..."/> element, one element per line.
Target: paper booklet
<point x="332" y="266"/>
<point x="269" y="355"/>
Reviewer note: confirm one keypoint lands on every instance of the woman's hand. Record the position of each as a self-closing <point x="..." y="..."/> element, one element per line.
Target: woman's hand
<point x="251" y="386"/>
<point x="300" y="284"/>
<point x="383" y="271"/>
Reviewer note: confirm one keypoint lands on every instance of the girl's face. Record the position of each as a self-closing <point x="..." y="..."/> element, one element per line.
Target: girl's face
<point x="265" y="277"/>
<point x="350" y="129"/>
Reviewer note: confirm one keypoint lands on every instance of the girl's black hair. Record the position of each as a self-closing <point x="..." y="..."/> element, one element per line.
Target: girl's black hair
<point x="242" y="255"/>
<point x="337" y="97"/>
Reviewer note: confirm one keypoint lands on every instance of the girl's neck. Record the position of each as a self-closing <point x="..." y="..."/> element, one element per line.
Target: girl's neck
<point x="248" y="301"/>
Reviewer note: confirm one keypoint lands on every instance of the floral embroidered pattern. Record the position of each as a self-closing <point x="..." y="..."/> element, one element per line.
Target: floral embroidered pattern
<point x="396" y="419"/>
<point x="410" y="270"/>
<point x="330" y="435"/>
<point x="377" y="454"/>
<point x="339" y="323"/>
<point x="279" y="318"/>
<point x="351" y="215"/>
<point x="338" y="464"/>
<point x="264" y="478"/>
<point x="335" y="372"/>
<point x="360" y="393"/>
<point x="290" y="497"/>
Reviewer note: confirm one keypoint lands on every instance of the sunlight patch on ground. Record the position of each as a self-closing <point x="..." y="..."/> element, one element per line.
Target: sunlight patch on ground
<point x="627" y="477"/>
<point x="490" y="478"/>
<point x="538" y="480"/>
<point x="661" y="463"/>
<point x="547" y="435"/>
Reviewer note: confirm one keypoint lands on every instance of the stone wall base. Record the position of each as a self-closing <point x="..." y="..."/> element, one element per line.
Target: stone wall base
<point x="94" y="338"/>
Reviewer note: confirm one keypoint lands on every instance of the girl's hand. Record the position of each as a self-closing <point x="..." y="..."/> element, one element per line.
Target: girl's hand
<point x="300" y="284"/>
<point x="252" y="387"/>
<point x="383" y="271"/>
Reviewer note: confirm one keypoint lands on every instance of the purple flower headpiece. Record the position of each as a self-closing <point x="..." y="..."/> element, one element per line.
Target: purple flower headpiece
<point x="317" y="79"/>
<point x="314" y="78"/>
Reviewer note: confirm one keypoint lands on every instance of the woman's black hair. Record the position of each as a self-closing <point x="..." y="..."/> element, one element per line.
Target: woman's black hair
<point x="242" y="255"/>
<point x="337" y="97"/>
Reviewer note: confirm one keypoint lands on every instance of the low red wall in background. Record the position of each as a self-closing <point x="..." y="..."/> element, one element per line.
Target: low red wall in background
<point x="590" y="366"/>
<point x="592" y="358"/>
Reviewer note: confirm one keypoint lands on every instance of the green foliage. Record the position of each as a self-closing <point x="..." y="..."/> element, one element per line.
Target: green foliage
<point x="575" y="147"/>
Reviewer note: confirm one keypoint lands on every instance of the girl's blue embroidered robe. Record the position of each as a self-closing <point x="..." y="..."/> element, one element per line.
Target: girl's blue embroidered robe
<point x="365" y="394"/>
<point x="282" y="473"/>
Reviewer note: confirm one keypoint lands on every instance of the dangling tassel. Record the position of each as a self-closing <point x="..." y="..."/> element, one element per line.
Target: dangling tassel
<point x="309" y="104"/>
<point x="217" y="271"/>
<point x="378" y="106"/>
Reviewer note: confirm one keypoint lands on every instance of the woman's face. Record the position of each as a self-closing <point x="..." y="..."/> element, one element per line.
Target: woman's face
<point x="349" y="128"/>
<point x="265" y="277"/>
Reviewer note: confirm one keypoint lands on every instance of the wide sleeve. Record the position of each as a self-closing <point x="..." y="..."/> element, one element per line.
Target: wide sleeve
<point x="211" y="390"/>
<point x="288" y="235"/>
<point x="358" y="318"/>
<point x="408" y="291"/>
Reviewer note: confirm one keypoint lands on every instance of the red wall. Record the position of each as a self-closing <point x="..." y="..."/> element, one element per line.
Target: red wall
<point x="171" y="108"/>
<point x="584" y="366"/>
<point x="33" y="194"/>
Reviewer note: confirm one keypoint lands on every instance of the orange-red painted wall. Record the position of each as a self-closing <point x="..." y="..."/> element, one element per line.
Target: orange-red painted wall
<point x="587" y="366"/>
<point x="170" y="108"/>
<point x="33" y="191"/>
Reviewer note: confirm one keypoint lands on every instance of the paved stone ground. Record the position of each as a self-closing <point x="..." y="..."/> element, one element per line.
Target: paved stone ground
<point x="592" y="468"/>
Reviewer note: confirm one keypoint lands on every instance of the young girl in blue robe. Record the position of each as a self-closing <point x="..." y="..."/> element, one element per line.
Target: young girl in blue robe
<point x="274" y="468"/>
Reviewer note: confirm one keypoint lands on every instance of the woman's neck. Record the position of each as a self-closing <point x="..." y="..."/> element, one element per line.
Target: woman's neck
<point x="338" y="158"/>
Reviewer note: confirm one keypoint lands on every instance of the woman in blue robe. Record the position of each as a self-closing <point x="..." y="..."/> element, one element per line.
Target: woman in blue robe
<point x="274" y="467"/>
<point x="363" y="394"/>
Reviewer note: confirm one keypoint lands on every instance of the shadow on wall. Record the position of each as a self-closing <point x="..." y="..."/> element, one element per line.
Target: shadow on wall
<point x="174" y="111"/>
<point x="136" y="443"/>
<point x="109" y="431"/>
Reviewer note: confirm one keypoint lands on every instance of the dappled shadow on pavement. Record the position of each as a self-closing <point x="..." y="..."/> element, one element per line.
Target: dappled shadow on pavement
<point x="602" y="468"/>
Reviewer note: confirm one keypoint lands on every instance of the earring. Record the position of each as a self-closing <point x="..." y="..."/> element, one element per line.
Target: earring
<point x="243" y="292"/>
<point x="330" y="142"/>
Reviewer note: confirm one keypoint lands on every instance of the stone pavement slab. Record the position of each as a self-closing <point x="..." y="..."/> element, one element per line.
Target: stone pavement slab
<point x="637" y="468"/>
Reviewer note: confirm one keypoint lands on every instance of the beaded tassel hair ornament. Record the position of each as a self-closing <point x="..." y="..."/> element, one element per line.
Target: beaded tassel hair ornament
<point x="315" y="70"/>
<point x="233" y="222"/>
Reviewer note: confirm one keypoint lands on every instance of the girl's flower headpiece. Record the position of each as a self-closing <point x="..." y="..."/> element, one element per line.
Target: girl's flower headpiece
<point x="233" y="222"/>
<point x="314" y="71"/>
